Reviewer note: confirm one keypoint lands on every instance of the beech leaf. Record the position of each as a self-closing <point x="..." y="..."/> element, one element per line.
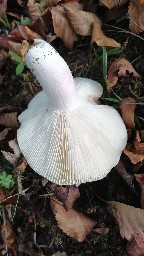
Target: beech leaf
<point x="129" y="218"/>
<point x="72" y="222"/>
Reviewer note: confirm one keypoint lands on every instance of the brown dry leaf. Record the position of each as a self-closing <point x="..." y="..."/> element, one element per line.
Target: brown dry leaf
<point x="9" y="120"/>
<point x="127" y="107"/>
<point x="8" y="236"/>
<point x="62" y="27"/>
<point x="12" y="158"/>
<point x="33" y="9"/>
<point x="2" y="194"/>
<point x="129" y="218"/>
<point x="87" y="23"/>
<point x="119" y="68"/>
<point x="23" y="33"/>
<point x="4" y="133"/>
<point x="135" y="152"/>
<point x="19" y="48"/>
<point x="136" y="17"/>
<point x="72" y="222"/>
<point x="50" y="3"/>
<point x="113" y="3"/>
<point x="140" y="179"/>
<point x="67" y="195"/>
<point x="128" y="178"/>
<point x="135" y="247"/>
<point x="3" y="8"/>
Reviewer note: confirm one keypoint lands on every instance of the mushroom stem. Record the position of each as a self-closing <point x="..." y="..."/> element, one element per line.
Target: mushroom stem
<point x="53" y="74"/>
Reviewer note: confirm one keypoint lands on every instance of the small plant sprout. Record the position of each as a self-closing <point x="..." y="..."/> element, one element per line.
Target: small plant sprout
<point x="6" y="180"/>
<point x="18" y="59"/>
<point x="65" y="135"/>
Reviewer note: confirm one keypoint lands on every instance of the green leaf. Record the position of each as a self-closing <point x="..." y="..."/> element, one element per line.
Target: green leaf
<point x="104" y="63"/>
<point x="26" y="21"/>
<point x="111" y="99"/>
<point x="15" y="56"/>
<point x="19" y="68"/>
<point x="6" y="180"/>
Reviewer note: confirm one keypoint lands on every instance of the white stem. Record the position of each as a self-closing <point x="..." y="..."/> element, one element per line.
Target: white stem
<point x="53" y="74"/>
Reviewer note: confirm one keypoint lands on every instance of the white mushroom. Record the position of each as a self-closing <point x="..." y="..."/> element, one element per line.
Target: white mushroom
<point x="64" y="137"/>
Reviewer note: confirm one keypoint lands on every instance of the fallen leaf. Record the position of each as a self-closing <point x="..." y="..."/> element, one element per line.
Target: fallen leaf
<point x="127" y="107"/>
<point x="2" y="194"/>
<point x="12" y="158"/>
<point x="113" y="4"/>
<point x="140" y="179"/>
<point x="87" y="23"/>
<point x="19" y="48"/>
<point x="50" y="3"/>
<point x="33" y="9"/>
<point x="9" y="120"/>
<point x="23" y="33"/>
<point x="72" y="222"/>
<point x="67" y="195"/>
<point x="62" y="27"/>
<point x="129" y="218"/>
<point x="135" y="247"/>
<point x="8" y="236"/>
<point x="4" y="133"/>
<point x="119" y="68"/>
<point x="135" y="152"/>
<point x="3" y="8"/>
<point x="136" y="18"/>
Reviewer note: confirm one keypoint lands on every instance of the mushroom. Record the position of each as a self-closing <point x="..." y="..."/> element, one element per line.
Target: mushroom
<point x="65" y="137"/>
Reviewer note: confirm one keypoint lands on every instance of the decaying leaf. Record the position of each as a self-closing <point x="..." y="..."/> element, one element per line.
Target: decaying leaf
<point x="3" y="56"/>
<point x="72" y="222"/>
<point x="135" y="247"/>
<point x="12" y="158"/>
<point x="140" y="179"/>
<point x="119" y="68"/>
<point x="129" y="218"/>
<point x="135" y="152"/>
<point x="136" y="17"/>
<point x="8" y="116"/>
<point x="23" y="33"/>
<point x="19" y="48"/>
<point x="3" y="8"/>
<point x="87" y="23"/>
<point x="33" y="9"/>
<point x="62" y="27"/>
<point x="127" y="107"/>
<point x="67" y="195"/>
<point x="4" y="133"/>
<point x="8" y="237"/>
<point x="113" y="3"/>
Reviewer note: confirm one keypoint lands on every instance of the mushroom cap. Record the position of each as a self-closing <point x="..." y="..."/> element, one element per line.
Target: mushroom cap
<point x="71" y="147"/>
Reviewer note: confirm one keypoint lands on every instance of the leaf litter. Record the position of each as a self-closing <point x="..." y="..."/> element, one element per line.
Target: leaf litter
<point x="75" y="24"/>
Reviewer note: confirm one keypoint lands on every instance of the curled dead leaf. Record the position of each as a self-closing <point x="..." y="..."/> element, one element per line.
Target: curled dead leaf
<point x="9" y="120"/>
<point x="67" y="195"/>
<point x="72" y="222"/>
<point x="127" y="107"/>
<point x="12" y="158"/>
<point x="135" y="152"/>
<point x="33" y="9"/>
<point x="23" y="33"/>
<point x="136" y="17"/>
<point x="87" y="23"/>
<point x="113" y="4"/>
<point x="129" y="218"/>
<point x="135" y="247"/>
<point x="119" y="68"/>
<point x="62" y="27"/>
<point x="19" y="48"/>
